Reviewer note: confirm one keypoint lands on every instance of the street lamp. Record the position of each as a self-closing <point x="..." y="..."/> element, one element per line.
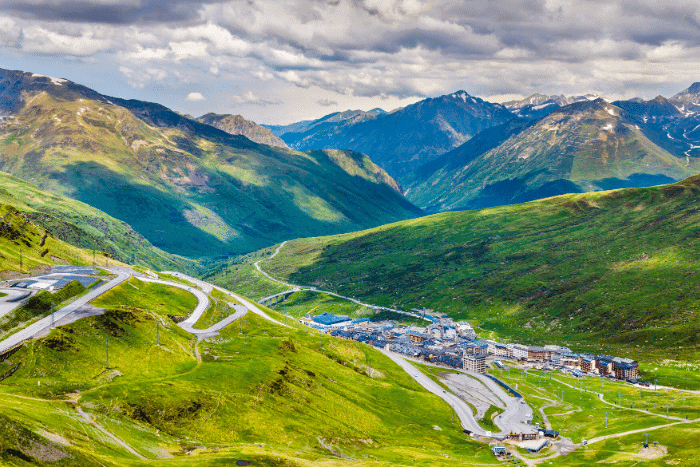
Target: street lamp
<point x="655" y="381"/>
<point x="606" y="420"/>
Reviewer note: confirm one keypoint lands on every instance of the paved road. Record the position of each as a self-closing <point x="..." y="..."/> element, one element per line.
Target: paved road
<point x="327" y="292"/>
<point x="517" y="410"/>
<point x="6" y="305"/>
<point x="511" y="420"/>
<point x="251" y="307"/>
<point x="202" y="303"/>
<point x="45" y="323"/>
<point x="463" y="411"/>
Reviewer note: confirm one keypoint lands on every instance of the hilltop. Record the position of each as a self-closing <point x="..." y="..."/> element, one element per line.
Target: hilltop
<point x="237" y="125"/>
<point x="205" y="192"/>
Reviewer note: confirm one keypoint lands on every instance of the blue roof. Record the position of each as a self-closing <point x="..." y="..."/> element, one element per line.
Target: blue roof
<point x="329" y="319"/>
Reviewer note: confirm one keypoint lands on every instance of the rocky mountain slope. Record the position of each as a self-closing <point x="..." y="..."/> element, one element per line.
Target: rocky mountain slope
<point x="237" y="125"/>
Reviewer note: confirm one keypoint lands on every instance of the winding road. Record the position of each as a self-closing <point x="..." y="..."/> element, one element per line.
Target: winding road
<point x="327" y="292"/>
<point x="207" y="286"/>
<point x="510" y="421"/>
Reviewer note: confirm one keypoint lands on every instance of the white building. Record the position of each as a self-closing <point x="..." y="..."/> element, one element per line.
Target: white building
<point x="465" y="330"/>
<point x="519" y="351"/>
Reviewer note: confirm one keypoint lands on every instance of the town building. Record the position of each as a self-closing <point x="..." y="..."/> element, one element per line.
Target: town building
<point x="417" y="337"/>
<point x="536" y="354"/>
<point x="519" y="351"/>
<point x="475" y="363"/>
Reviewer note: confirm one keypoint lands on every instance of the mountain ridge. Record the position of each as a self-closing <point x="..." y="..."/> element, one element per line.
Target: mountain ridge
<point x="206" y="192"/>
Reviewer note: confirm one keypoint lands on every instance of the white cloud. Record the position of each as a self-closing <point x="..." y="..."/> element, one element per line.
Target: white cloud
<point x="36" y="39"/>
<point x="340" y="50"/>
<point x="195" y="97"/>
<point x="140" y="77"/>
<point x="10" y="32"/>
<point x="249" y="98"/>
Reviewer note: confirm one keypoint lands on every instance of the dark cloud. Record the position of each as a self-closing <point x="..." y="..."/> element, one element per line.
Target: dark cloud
<point x="146" y="11"/>
<point x="372" y="48"/>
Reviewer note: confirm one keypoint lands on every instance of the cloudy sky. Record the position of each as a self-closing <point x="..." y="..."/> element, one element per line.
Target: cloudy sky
<point x="278" y="61"/>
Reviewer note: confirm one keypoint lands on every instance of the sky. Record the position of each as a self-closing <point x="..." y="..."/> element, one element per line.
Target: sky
<point x="281" y="61"/>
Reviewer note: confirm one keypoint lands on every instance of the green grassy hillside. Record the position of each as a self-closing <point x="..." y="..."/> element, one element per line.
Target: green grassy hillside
<point x="83" y="226"/>
<point x="614" y="271"/>
<point x="186" y="187"/>
<point x="28" y="247"/>
<point x="278" y="397"/>
<point x="586" y="146"/>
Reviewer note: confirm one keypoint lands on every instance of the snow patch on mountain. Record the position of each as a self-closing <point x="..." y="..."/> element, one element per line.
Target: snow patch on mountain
<point x="56" y="81"/>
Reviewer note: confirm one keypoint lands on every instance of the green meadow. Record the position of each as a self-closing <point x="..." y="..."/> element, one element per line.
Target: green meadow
<point x="276" y="396"/>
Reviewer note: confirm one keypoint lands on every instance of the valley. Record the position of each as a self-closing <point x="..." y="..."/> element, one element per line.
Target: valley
<point x="455" y="281"/>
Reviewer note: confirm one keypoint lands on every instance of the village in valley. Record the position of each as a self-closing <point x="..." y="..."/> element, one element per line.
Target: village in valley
<point x="456" y="345"/>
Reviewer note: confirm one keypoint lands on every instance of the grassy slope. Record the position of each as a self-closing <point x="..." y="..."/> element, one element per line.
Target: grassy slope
<point x="616" y="267"/>
<point x="587" y="146"/>
<point x="17" y="233"/>
<point x="206" y="192"/>
<point x="84" y="226"/>
<point x="282" y="390"/>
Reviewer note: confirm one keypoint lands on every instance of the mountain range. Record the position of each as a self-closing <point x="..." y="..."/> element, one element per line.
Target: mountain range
<point x="461" y="152"/>
<point x="581" y="147"/>
<point x="221" y="185"/>
<point x="187" y="187"/>
<point x="401" y="139"/>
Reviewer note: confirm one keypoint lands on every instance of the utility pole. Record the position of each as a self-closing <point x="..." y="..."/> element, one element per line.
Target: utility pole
<point x="655" y="381"/>
<point x="618" y="398"/>
<point x="646" y="440"/>
<point x="157" y="332"/>
<point x="246" y="332"/>
<point x="411" y="389"/>
<point x="562" y="394"/>
<point x="107" y="353"/>
<point x="606" y="420"/>
<point x="667" y="411"/>
<point x="20" y="260"/>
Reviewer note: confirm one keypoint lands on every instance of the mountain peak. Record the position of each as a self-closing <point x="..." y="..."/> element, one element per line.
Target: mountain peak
<point x="237" y="125"/>
<point x="690" y="95"/>
<point x="461" y="94"/>
<point x="694" y="88"/>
